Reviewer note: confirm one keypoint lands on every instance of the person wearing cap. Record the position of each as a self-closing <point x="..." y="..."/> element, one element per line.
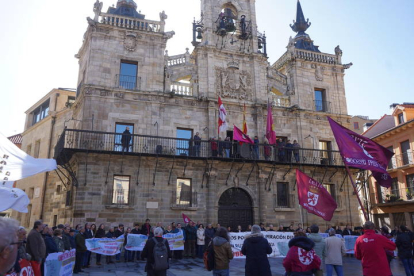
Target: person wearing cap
<point x="334" y="250"/>
<point x="256" y="248"/>
<point x="72" y="238"/>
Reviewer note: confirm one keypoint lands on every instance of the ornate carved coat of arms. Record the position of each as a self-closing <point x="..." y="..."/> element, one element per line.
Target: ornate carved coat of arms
<point x="130" y="42"/>
<point x="233" y="83"/>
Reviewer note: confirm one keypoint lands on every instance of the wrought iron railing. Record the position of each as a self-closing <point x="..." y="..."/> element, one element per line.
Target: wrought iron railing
<point x="128" y="82"/>
<point x="392" y="195"/>
<point x="284" y="201"/>
<point x="84" y="140"/>
<point x="184" y="199"/>
<point x="401" y="160"/>
<point x="322" y="106"/>
<point x="120" y="197"/>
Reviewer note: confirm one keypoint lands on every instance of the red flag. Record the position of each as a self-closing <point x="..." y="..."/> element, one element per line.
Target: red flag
<point x="361" y="152"/>
<point x="314" y="197"/>
<point x="238" y="135"/>
<point x="186" y="219"/>
<point x="270" y="127"/>
<point x="244" y="120"/>
<point x="222" y="124"/>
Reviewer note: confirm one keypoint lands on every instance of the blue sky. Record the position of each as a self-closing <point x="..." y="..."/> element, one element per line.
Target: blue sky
<point x="40" y="39"/>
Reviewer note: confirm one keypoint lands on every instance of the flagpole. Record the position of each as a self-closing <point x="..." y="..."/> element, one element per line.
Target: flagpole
<point x="356" y="192"/>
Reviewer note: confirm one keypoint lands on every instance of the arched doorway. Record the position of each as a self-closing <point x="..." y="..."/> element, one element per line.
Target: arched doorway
<point x="235" y="208"/>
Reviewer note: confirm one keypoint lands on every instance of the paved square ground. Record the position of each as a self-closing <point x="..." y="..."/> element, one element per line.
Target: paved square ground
<point x="191" y="267"/>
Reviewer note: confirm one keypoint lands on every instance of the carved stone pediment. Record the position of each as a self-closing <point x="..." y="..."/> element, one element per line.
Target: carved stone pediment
<point x="233" y="83"/>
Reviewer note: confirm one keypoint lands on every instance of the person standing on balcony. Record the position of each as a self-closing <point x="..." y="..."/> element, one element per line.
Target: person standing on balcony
<point x="197" y="144"/>
<point x="296" y="148"/>
<point x="267" y="149"/>
<point x="281" y="150"/>
<point x="220" y="147"/>
<point x="289" y="151"/>
<point x="256" y="148"/>
<point x="214" y="148"/>
<point x="125" y="140"/>
<point x="227" y="146"/>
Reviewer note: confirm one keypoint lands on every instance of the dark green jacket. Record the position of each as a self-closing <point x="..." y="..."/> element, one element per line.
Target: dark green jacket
<point x="80" y="243"/>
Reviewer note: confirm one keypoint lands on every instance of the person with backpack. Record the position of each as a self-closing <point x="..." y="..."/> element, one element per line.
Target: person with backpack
<point x="157" y="252"/>
<point x="222" y="253"/>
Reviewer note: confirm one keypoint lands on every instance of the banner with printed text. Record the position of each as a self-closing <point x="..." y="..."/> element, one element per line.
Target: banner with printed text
<point x="108" y="247"/>
<point x="60" y="264"/>
<point x="137" y="242"/>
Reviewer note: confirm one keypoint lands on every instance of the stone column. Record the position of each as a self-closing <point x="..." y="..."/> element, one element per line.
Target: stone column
<point x="211" y="188"/>
<point x="262" y="197"/>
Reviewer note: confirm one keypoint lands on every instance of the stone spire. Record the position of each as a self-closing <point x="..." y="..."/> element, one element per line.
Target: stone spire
<point x="302" y="39"/>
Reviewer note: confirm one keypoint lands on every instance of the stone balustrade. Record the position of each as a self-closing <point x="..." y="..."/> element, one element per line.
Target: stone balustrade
<point x="178" y="60"/>
<point x="179" y="88"/>
<point x="305" y="55"/>
<point x="131" y="23"/>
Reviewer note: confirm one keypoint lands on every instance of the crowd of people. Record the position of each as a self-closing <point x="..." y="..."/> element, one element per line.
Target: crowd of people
<point x="307" y="250"/>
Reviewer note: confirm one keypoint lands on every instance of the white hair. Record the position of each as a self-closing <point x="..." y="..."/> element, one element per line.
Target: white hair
<point x="158" y="231"/>
<point x="8" y="232"/>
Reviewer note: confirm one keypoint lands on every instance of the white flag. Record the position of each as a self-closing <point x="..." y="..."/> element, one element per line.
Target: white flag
<point x="14" y="198"/>
<point x="222" y="116"/>
<point x="15" y="164"/>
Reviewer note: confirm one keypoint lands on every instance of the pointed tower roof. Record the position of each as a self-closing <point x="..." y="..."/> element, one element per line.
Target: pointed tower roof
<point x="302" y="39"/>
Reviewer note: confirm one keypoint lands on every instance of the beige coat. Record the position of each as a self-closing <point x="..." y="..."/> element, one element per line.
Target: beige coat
<point x="334" y="250"/>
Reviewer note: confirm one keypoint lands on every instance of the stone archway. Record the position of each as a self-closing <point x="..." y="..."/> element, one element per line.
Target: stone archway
<point x="235" y="208"/>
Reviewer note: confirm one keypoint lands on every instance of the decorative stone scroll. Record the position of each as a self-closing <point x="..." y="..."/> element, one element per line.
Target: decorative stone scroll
<point x="234" y="83"/>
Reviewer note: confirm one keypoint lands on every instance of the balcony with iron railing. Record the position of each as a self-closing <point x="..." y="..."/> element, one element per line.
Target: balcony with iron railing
<point x="128" y="82"/>
<point x="322" y="106"/>
<point x="120" y="198"/>
<point x="393" y="196"/>
<point x="72" y="141"/>
<point x="401" y="160"/>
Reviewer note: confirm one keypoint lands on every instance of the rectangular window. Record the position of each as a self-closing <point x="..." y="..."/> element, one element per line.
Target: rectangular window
<point x="69" y="198"/>
<point x="71" y="101"/>
<point x="392" y="161"/>
<point x="41" y="112"/>
<point x="394" y="187"/>
<point x="183" y="146"/>
<point x="36" y="149"/>
<point x="380" y="193"/>
<point x="128" y="75"/>
<point x="31" y="193"/>
<point x="184" y="193"/>
<point x="331" y="189"/>
<point x="29" y="149"/>
<point x="320" y="100"/>
<point x="282" y="196"/>
<point x="120" y="194"/>
<point x="125" y="141"/>
<point x="410" y="181"/>
<point x="406" y="153"/>
<point x="356" y="125"/>
<point x="401" y="118"/>
<point x="325" y="152"/>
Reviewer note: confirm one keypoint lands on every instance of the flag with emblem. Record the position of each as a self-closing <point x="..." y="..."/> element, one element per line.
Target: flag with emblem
<point x="314" y="197"/>
<point x="238" y="135"/>
<point x="186" y="219"/>
<point x="361" y="152"/>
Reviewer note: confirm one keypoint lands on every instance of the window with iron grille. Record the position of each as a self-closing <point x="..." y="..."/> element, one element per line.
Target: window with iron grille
<point x="184" y="193"/>
<point x="120" y="192"/>
<point x="282" y="195"/>
<point x="401" y="118"/>
<point x="356" y="125"/>
<point x="128" y="74"/>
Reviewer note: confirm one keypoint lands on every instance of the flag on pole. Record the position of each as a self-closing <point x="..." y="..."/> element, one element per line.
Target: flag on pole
<point x="238" y="135"/>
<point x="314" y="197"/>
<point x="270" y="127"/>
<point x="186" y="219"/>
<point x="363" y="153"/>
<point x="222" y="124"/>
<point x="244" y="120"/>
<point x="13" y="198"/>
<point x="15" y="164"/>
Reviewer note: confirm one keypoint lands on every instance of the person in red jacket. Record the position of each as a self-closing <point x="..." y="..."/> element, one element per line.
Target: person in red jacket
<point x="301" y="258"/>
<point x="370" y="249"/>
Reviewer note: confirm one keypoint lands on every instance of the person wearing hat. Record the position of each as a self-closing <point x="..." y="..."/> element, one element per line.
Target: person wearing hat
<point x="256" y="248"/>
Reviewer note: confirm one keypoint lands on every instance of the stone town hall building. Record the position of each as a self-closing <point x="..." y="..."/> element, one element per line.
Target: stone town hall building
<point x="127" y="79"/>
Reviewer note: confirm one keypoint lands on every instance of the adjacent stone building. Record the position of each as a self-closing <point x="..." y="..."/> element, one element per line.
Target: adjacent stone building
<point x="395" y="206"/>
<point x="156" y="169"/>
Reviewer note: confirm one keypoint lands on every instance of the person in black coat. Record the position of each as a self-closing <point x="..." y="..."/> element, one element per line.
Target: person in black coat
<point x="100" y="234"/>
<point x="126" y="139"/>
<point x="148" y="252"/>
<point x="209" y="233"/>
<point x="405" y="249"/>
<point x="256" y="248"/>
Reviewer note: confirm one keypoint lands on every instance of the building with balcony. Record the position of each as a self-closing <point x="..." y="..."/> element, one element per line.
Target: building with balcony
<point x="129" y="151"/>
<point x="395" y="206"/>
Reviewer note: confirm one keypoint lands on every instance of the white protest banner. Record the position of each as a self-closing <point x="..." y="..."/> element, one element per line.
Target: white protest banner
<point x="107" y="247"/>
<point x="350" y="243"/>
<point x="277" y="240"/>
<point x="137" y="242"/>
<point x="60" y="264"/>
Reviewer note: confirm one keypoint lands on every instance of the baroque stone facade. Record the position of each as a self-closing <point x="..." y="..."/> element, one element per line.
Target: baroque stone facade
<point x="166" y="95"/>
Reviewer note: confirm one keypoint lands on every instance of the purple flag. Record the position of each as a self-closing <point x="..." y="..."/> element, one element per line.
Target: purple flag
<point x="361" y="152"/>
<point x="238" y="135"/>
<point x="314" y="197"/>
